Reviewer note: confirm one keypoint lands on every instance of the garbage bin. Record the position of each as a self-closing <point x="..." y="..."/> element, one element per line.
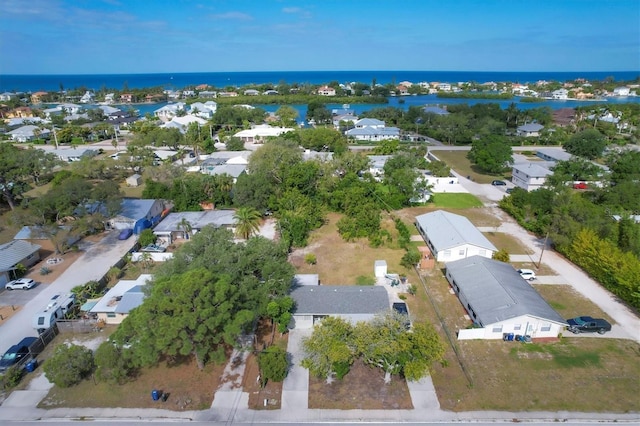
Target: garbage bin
<point x="510" y="337"/>
<point x="155" y="394"/>
<point x="31" y="366"/>
<point x="526" y="338"/>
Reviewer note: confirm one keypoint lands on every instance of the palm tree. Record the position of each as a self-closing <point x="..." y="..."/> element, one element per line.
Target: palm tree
<point x="186" y="227"/>
<point x="247" y="222"/>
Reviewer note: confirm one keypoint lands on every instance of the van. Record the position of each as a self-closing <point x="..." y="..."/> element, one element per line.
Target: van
<point x="56" y="309"/>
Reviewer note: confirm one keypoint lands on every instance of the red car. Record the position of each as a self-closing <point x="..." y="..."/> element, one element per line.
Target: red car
<point x="580" y="185"/>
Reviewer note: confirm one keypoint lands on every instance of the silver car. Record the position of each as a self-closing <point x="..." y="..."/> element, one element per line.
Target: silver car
<point x="20" y="284"/>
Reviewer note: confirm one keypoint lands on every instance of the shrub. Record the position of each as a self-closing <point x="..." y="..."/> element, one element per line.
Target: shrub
<point x="11" y="377"/>
<point x="69" y="365"/>
<point x="273" y="364"/>
<point x="341" y="369"/>
<point x="501" y="255"/>
<point x="45" y="271"/>
<point x="310" y="259"/>
<point x="147" y="237"/>
<point x="413" y="289"/>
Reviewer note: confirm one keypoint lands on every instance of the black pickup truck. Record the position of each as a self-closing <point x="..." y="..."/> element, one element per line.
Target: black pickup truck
<point x="588" y="325"/>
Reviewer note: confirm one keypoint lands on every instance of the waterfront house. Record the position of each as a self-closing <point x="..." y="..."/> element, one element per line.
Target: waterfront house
<point x="326" y="91"/>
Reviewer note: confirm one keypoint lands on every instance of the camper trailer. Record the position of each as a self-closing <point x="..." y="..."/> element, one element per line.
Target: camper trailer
<point x="56" y="309"/>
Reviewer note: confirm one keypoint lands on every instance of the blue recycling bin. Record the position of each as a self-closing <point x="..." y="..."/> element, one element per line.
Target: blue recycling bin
<point x="31" y="366"/>
<point x="155" y="395"/>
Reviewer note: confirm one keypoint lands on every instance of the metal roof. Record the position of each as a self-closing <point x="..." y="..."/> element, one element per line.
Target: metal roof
<point x="130" y="300"/>
<point x="497" y="292"/>
<point x="447" y="230"/>
<point x="15" y="251"/>
<point x="333" y="300"/>
<point x="197" y="220"/>
<point x="111" y="301"/>
<point x="532" y="170"/>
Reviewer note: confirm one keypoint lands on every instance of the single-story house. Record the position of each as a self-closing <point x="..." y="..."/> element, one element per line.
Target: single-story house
<point x="326" y="91"/>
<point x="499" y="300"/>
<point x="42" y="237"/>
<point x="74" y="154"/>
<point x="529" y="130"/>
<point x="351" y="303"/>
<point x="370" y="133"/>
<point x="529" y="176"/>
<point x="183" y="225"/>
<point x="137" y="214"/>
<point x="134" y="180"/>
<point x="260" y="133"/>
<point x="28" y="133"/>
<point x="435" y="110"/>
<point x="169" y="111"/>
<point x="126" y="295"/>
<point x="553" y="154"/>
<point x="14" y="253"/>
<point x="452" y="237"/>
<point x="233" y="170"/>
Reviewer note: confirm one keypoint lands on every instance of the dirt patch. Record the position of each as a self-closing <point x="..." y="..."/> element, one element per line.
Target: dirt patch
<point x="56" y="269"/>
<point x="272" y="392"/>
<point x="7" y="311"/>
<point x="362" y="388"/>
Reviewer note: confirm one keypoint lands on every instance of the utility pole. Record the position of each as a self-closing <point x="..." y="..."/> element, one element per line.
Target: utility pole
<point x="544" y="246"/>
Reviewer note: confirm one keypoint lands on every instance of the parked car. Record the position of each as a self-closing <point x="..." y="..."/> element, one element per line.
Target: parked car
<point x="125" y="233"/>
<point x="580" y="185"/>
<point x="498" y="183"/>
<point x="527" y="274"/>
<point x="509" y="190"/>
<point x="588" y="325"/>
<point x="153" y="248"/>
<point x="15" y="353"/>
<point x="20" y="284"/>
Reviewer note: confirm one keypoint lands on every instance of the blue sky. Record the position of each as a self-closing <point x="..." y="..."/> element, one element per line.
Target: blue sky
<point x="137" y="36"/>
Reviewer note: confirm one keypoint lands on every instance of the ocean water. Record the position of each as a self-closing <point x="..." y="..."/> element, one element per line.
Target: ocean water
<point x="220" y="80"/>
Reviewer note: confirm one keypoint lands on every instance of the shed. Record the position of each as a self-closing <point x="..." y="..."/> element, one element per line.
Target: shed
<point x="134" y="180"/>
<point x="380" y="268"/>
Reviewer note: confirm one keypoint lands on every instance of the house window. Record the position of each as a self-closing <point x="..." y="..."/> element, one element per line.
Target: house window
<point x="546" y="327"/>
<point x="517" y="327"/>
<point x="111" y="315"/>
<point x="447" y="253"/>
<point x="497" y="329"/>
<point x="461" y="252"/>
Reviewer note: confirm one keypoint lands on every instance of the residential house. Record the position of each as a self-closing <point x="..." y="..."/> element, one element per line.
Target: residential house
<point x="372" y="133"/>
<point x="529" y="176"/>
<point x="260" y="133"/>
<point x="452" y="237"/>
<point x="7" y="96"/>
<point x="444" y="87"/>
<point x="251" y="92"/>
<point x="74" y="154"/>
<point x="499" y="301"/>
<point x="376" y="165"/>
<point x="127" y="98"/>
<point x="14" y="253"/>
<point x="432" y="109"/>
<point x="42" y="236"/>
<point x="38" y="97"/>
<point x="87" y="98"/>
<point x="553" y="154"/>
<point x="564" y="117"/>
<point x="182" y="122"/>
<point x="167" y="112"/>
<point x="183" y="225"/>
<point x="227" y="94"/>
<point x="350" y="119"/>
<point x="203" y="110"/>
<point x="28" y="133"/>
<point x="137" y="214"/>
<point x="326" y="91"/>
<point x="621" y="91"/>
<point x="402" y="90"/>
<point x="270" y="92"/>
<point x="561" y="94"/>
<point x="529" y="130"/>
<point x="351" y="303"/>
<point x="233" y="170"/>
<point x="207" y="94"/>
<point x="120" y="300"/>
<point x="20" y="112"/>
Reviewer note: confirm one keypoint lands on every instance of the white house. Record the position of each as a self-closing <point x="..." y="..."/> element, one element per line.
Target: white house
<point x="452" y="237"/>
<point x="260" y="133"/>
<point x="182" y="225"/>
<point x="74" y="154"/>
<point x="204" y="110"/>
<point x="326" y="91"/>
<point x="28" y="133"/>
<point x="351" y="303"/>
<point x="529" y="130"/>
<point x="126" y="295"/>
<point x="529" y="176"/>
<point x="498" y="300"/>
<point x="87" y="98"/>
<point x="561" y="94"/>
<point x="621" y="91"/>
<point x="169" y="111"/>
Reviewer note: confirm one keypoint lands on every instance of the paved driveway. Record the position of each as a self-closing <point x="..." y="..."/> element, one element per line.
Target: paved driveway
<point x="92" y="265"/>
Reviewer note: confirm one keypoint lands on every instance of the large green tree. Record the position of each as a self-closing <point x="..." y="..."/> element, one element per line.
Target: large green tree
<point x="19" y="168"/>
<point x="492" y="154"/>
<point x="247" y="222"/>
<point x="589" y="143"/>
<point x="330" y="345"/>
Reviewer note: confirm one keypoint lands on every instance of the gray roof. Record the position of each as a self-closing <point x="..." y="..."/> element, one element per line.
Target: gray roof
<point x="334" y="300"/>
<point x="497" y="292"/>
<point x="532" y="169"/>
<point x="198" y="220"/>
<point x="557" y="154"/>
<point x="15" y="251"/>
<point x="531" y="127"/>
<point x="447" y="230"/>
<point x="135" y="209"/>
<point x="130" y="300"/>
<point x="233" y="170"/>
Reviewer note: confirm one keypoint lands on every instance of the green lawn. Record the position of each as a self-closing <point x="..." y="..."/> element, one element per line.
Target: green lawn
<point x="458" y="161"/>
<point x="455" y="201"/>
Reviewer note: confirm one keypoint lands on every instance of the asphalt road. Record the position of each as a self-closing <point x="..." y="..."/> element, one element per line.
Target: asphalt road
<point x="92" y="265"/>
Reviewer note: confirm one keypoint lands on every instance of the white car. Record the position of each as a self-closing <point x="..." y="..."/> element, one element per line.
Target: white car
<point x="20" y="284"/>
<point x="527" y="274"/>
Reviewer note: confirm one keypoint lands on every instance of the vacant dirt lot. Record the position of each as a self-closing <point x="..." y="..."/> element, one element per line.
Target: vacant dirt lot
<point x="362" y="388"/>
